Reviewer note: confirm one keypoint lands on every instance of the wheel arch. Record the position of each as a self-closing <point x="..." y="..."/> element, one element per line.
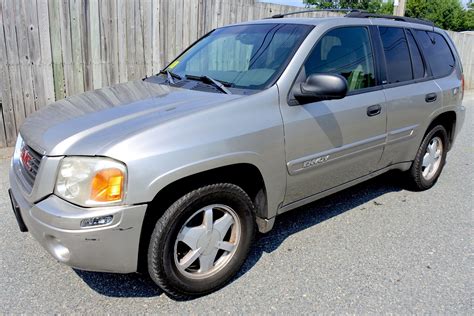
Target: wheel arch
<point x="448" y="121"/>
<point x="244" y="174"/>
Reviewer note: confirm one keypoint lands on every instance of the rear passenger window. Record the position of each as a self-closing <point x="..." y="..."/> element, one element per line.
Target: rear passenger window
<point x="436" y="50"/>
<point x="345" y="51"/>
<point x="397" y="56"/>
<point x="416" y="60"/>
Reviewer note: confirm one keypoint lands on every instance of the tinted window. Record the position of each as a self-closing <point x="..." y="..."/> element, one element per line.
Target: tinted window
<point x="345" y="51"/>
<point x="416" y="60"/>
<point x="437" y="52"/>
<point x="397" y="56"/>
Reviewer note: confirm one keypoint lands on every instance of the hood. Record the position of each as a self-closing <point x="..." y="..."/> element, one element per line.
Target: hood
<point x="86" y="123"/>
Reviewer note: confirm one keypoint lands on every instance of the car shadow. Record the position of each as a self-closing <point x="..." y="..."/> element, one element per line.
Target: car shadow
<point x="120" y="285"/>
<point x="287" y="224"/>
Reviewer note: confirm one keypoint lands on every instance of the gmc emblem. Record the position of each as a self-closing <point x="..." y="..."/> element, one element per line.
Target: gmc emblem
<point x="25" y="158"/>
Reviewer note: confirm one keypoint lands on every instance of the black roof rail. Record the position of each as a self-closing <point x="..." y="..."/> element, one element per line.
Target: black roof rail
<point x="279" y="16"/>
<point x="361" y="14"/>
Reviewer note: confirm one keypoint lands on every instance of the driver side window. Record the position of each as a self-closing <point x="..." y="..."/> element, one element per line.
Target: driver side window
<point x="347" y="52"/>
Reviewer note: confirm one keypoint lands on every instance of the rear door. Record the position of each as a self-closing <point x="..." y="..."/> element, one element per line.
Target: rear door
<point x="411" y="93"/>
<point x="329" y="143"/>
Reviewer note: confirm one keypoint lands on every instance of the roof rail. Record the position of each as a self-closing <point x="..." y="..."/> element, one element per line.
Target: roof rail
<point x="361" y="14"/>
<point x="279" y="16"/>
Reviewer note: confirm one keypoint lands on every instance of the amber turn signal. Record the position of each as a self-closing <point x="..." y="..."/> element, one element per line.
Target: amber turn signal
<point x="107" y="185"/>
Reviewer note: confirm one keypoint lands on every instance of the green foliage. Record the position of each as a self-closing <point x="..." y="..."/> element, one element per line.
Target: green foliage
<point x="373" y="6"/>
<point x="446" y="14"/>
<point x="469" y="19"/>
<point x="380" y="7"/>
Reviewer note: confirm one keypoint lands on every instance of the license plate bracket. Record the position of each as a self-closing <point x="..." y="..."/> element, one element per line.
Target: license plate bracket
<point x="16" y="211"/>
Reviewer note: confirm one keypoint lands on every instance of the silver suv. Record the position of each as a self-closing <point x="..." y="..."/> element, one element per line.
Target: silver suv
<point x="173" y="174"/>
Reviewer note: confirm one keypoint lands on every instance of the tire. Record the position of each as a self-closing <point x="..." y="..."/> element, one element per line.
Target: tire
<point x="186" y="237"/>
<point x="420" y="177"/>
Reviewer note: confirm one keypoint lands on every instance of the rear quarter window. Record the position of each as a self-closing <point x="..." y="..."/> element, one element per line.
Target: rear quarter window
<point x="437" y="52"/>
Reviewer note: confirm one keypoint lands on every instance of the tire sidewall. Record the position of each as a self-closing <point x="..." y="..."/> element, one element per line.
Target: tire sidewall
<point x="437" y="131"/>
<point x="161" y="250"/>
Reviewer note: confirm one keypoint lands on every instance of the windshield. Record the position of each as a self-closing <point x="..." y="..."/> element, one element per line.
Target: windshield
<point x="242" y="56"/>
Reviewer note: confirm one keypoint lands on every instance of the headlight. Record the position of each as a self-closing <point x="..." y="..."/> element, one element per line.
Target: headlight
<point x="91" y="181"/>
<point x="18" y="145"/>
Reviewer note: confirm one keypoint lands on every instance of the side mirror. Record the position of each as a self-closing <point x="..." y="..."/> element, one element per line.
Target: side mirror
<point x="319" y="87"/>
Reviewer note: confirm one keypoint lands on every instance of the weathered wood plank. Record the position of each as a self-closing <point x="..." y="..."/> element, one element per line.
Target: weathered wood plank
<point x="45" y="47"/>
<point x="34" y="53"/>
<point x="113" y="49"/>
<point x="139" y="53"/>
<point x="147" y="11"/>
<point x="186" y="24"/>
<point x="131" y="59"/>
<point x="8" y="115"/>
<point x="122" y="40"/>
<point x="178" y="33"/>
<point x="65" y="20"/>
<point x="171" y="26"/>
<point x="95" y="44"/>
<point x="213" y="14"/>
<point x="163" y="29"/>
<point x="26" y="73"/>
<point x="13" y="62"/>
<point x="86" y="47"/>
<point x="193" y="21"/>
<point x="201" y="18"/>
<point x="76" y="46"/>
<point x="56" y="49"/>
<point x="156" y="43"/>
<point x="105" y="42"/>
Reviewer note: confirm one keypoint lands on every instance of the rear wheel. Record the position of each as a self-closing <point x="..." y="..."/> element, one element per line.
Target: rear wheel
<point x="202" y="240"/>
<point x="430" y="159"/>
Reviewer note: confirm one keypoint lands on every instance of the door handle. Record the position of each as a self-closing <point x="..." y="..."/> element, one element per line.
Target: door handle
<point x="431" y="97"/>
<point x="374" y="110"/>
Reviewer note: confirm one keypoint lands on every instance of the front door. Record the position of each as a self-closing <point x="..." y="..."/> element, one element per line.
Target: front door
<point x="329" y="143"/>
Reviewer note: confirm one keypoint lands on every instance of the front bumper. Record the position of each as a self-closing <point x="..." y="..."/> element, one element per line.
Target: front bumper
<point x="55" y="224"/>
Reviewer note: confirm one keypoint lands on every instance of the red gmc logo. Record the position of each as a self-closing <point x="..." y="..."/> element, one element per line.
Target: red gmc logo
<point x="25" y="158"/>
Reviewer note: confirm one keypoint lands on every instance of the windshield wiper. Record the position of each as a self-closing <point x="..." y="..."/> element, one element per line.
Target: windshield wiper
<point x="170" y="75"/>
<point x="206" y="79"/>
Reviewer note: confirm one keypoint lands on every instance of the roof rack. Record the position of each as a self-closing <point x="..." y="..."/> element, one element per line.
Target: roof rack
<point x="362" y="14"/>
<point x="279" y="16"/>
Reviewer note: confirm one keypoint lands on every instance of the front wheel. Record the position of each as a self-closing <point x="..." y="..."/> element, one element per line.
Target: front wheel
<point x="202" y="240"/>
<point x="430" y="159"/>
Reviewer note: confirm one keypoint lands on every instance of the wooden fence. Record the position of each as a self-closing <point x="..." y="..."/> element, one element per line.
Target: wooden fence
<point x="50" y="49"/>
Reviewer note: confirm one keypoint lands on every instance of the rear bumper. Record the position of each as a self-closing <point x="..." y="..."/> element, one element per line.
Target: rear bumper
<point x="55" y="224"/>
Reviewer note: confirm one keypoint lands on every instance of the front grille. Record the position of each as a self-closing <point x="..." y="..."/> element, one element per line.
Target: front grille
<point x="29" y="164"/>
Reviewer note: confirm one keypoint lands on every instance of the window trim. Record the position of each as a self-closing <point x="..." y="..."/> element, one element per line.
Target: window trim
<point x="291" y="101"/>
<point x="426" y="68"/>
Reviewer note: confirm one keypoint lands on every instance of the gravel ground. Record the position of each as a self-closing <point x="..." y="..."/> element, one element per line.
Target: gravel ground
<point x="375" y="248"/>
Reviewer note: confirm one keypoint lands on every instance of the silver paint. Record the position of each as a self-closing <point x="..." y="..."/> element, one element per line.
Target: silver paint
<point x="164" y="134"/>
